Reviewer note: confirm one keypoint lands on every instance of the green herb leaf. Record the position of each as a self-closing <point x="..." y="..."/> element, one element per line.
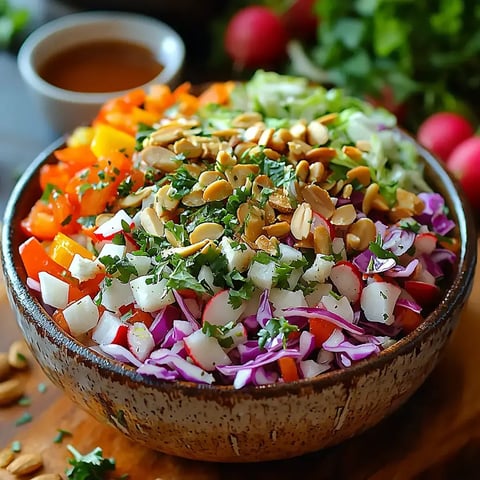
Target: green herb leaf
<point x="276" y="327"/>
<point x="25" y="418"/>
<point x="16" y="446"/>
<point x="91" y="466"/>
<point x="61" y="435"/>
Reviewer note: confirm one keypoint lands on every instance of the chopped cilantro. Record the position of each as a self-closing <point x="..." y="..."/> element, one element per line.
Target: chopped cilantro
<point x="377" y="249"/>
<point x="25" y="401"/>
<point x="181" y="183"/>
<point x="47" y="192"/>
<point x="220" y="332"/>
<point x="92" y="466"/>
<point x="66" y="220"/>
<point x="181" y="278"/>
<point x="42" y="388"/>
<point x="16" y="446"/>
<point x="61" y="435"/>
<point x="276" y="327"/>
<point x="125" y="187"/>
<point x="23" y="419"/>
<point x="121" y="268"/>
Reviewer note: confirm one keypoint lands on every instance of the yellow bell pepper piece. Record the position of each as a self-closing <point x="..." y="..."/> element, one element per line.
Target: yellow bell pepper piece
<point x="81" y="136"/>
<point x="64" y="248"/>
<point x="107" y="139"/>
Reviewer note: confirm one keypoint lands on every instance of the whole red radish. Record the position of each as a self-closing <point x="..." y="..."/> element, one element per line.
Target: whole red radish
<point x="443" y="131"/>
<point x="464" y="163"/>
<point x="255" y="37"/>
<point x="300" y="19"/>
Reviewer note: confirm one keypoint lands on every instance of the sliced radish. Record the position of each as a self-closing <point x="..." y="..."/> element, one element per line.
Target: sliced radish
<point x="110" y="329"/>
<point x="425" y="243"/>
<point x="311" y="368"/>
<point x="114" y="225"/>
<point x="319" y="291"/>
<point x="115" y="294"/>
<point x="237" y="258"/>
<point x="340" y="306"/>
<point x="236" y="335"/>
<point x="205" y="351"/>
<point x="84" y="269"/>
<point x="338" y="247"/>
<point x="348" y="280"/>
<point x="112" y="250"/>
<point x="218" y="310"/>
<point x="378" y="301"/>
<point x="205" y="275"/>
<point x="81" y="316"/>
<point x="140" y="340"/>
<point x="320" y="270"/>
<point x="262" y="274"/>
<point x="289" y="254"/>
<point x="319" y="220"/>
<point x="426" y="294"/>
<point x="282" y="299"/>
<point x="142" y="263"/>
<point x="151" y="294"/>
<point x="54" y="291"/>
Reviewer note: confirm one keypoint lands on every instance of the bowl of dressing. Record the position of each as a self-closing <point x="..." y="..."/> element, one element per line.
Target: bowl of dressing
<point x="74" y="64"/>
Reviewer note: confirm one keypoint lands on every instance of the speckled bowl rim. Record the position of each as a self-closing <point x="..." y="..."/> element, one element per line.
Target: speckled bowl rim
<point x="455" y="296"/>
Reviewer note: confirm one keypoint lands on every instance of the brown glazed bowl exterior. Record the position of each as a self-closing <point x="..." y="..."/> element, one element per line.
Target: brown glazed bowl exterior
<point x="218" y="423"/>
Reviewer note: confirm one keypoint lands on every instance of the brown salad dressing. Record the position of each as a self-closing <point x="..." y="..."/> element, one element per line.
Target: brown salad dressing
<point x="101" y="66"/>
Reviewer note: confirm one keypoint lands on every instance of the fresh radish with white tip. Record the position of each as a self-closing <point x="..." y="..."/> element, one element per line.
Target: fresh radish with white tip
<point x="114" y="225"/>
<point x="320" y="269"/>
<point x="218" y="310"/>
<point x="54" y="291"/>
<point x="347" y="279"/>
<point x="319" y="220"/>
<point x="110" y="329"/>
<point x="151" y="294"/>
<point x="81" y="316"/>
<point x="378" y="301"/>
<point x="140" y="340"/>
<point x="425" y="243"/>
<point x="205" y="351"/>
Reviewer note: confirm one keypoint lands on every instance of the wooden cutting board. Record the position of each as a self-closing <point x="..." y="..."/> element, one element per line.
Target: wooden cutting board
<point x="436" y="435"/>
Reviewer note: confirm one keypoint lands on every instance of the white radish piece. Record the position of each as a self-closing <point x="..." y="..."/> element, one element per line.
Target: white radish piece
<point x="110" y="329"/>
<point x="218" y="310"/>
<point x="84" y="269"/>
<point x="115" y="294"/>
<point x="151" y="294"/>
<point x="289" y="254"/>
<point x="319" y="291"/>
<point x="113" y="225"/>
<point x="140" y="340"/>
<point x="142" y="263"/>
<point x="282" y="299"/>
<point x="340" y="306"/>
<point x="425" y="243"/>
<point x="262" y="274"/>
<point x="320" y="269"/>
<point x="205" y="351"/>
<point x="81" y="316"/>
<point x="54" y="291"/>
<point x="237" y="258"/>
<point x="205" y="275"/>
<point x="112" y="250"/>
<point x="378" y="300"/>
<point x="348" y="280"/>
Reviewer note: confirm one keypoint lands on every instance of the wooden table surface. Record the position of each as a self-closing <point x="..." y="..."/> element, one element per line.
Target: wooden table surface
<point x="435" y="435"/>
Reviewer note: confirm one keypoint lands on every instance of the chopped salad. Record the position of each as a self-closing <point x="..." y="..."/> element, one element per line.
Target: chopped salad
<point x="255" y="233"/>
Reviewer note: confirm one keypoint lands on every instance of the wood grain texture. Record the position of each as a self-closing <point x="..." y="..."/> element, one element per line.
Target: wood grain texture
<point x="436" y="435"/>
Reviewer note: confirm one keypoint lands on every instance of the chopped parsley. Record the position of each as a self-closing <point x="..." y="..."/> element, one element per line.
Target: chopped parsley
<point x="61" y="434"/>
<point x="23" y="419"/>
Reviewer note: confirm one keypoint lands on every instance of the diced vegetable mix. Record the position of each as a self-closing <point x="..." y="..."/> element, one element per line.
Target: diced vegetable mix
<point x="257" y="233"/>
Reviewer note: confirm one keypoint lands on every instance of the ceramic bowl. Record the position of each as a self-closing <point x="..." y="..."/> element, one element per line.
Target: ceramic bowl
<point x="66" y="109"/>
<point x="218" y="423"/>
